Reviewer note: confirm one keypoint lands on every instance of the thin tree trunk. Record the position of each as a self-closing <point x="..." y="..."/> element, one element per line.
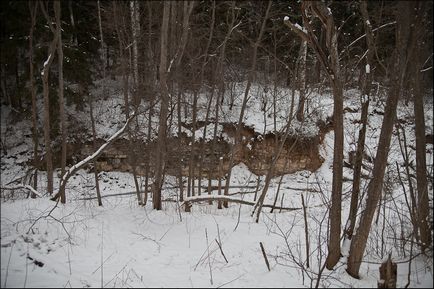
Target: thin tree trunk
<point x="45" y="77"/>
<point x="103" y="51"/>
<point x="332" y="67"/>
<point x="33" y="6"/>
<point x="220" y="73"/>
<point x="72" y="170"/>
<point x="74" y="32"/>
<point x="151" y="82"/>
<point x="135" y="27"/>
<point x="162" y="126"/>
<point x="419" y="112"/>
<point x="364" y="119"/>
<point x="125" y="75"/>
<point x="245" y="100"/>
<point x="404" y="48"/>
<point x="201" y="77"/>
<point x="302" y="80"/>
<point x="61" y="98"/>
<point x="95" y="168"/>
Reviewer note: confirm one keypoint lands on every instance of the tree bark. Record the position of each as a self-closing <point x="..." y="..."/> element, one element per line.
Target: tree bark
<point x="301" y="80"/>
<point x="72" y="170"/>
<point x="419" y="112"/>
<point x="125" y="86"/>
<point x="33" y="7"/>
<point x="404" y="32"/>
<point x="366" y="87"/>
<point x="45" y="77"/>
<point x="162" y="125"/>
<point x="245" y="99"/>
<point x="331" y="65"/>
<point x="103" y="50"/>
<point x="58" y="15"/>
<point x="135" y="27"/>
<point x="95" y="169"/>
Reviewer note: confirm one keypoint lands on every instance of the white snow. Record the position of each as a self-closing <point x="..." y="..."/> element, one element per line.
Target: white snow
<point x="299" y="27"/>
<point x="141" y="247"/>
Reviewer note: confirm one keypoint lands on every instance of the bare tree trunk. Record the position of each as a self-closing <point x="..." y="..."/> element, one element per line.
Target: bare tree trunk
<point x="419" y="112"/>
<point x="338" y="147"/>
<point x="135" y="27"/>
<point x="136" y="99"/>
<point x="301" y="80"/>
<point x="125" y="76"/>
<point x="332" y="67"/>
<point x="33" y="7"/>
<point x="245" y="100"/>
<point x="103" y="50"/>
<point x="74" y="40"/>
<point x="220" y="75"/>
<point x="162" y="126"/>
<point x="72" y="170"/>
<point x="61" y="98"/>
<point x="151" y="82"/>
<point x="95" y="168"/>
<point x="45" y="77"/>
<point x="270" y="173"/>
<point x="412" y="204"/>
<point x="403" y="46"/>
<point x="364" y="119"/>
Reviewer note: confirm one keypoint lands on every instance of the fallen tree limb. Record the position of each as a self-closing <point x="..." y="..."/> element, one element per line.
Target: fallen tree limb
<point x="196" y="199"/>
<point x="26" y="187"/>
<point x="265" y="256"/>
<point x="72" y="170"/>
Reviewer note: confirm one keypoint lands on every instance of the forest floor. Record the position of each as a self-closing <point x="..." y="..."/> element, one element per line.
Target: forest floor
<point x="122" y="244"/>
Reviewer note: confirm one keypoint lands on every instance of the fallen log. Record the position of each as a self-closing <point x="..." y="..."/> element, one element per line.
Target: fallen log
<point x="189" y="200"/>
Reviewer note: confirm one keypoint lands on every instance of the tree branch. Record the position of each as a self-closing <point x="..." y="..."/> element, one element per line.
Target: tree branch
<point x="96" y="154"/>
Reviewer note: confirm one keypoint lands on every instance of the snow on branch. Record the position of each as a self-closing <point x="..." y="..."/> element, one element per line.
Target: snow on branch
<point x="27" y="187"/>
<point x="93" y="156"/>
<point x="296" y="28"/>
<point x="77" y="166"/>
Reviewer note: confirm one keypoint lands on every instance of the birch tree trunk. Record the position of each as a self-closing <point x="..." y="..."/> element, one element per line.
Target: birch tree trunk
<point x="302" y="80"/>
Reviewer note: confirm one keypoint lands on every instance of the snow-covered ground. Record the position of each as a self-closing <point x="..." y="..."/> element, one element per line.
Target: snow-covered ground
<point x="78" y="244"/>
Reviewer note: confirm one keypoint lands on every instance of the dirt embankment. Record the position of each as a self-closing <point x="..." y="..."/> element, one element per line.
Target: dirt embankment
<point x="256" y="151"/>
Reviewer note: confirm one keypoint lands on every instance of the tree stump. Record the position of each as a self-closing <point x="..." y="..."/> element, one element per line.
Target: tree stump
<point x="388" y="272"/>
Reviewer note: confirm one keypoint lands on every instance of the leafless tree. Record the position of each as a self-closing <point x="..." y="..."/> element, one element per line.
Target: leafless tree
<point x="162" y="125"/>
<point x="45" y="77"/>
<point x="246" y="98"/>
<point x="57" y="13"/>
<point x="33" y="7"/>
<point x="330" y="62"/>
<point x="366" y="87"/>
<point x="406" y="13"/>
